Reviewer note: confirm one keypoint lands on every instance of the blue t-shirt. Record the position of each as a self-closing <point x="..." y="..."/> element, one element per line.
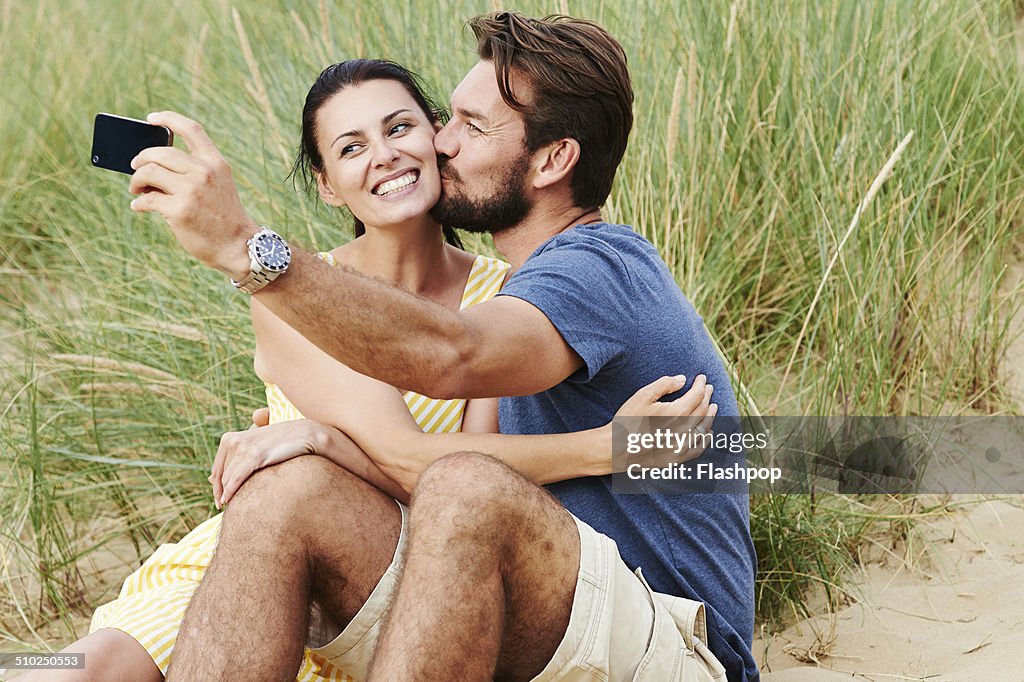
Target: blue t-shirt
<point x="613" y="300"/>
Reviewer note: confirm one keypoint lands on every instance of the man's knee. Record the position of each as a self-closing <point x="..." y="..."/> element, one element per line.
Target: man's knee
<point x="311" y="506"/>
<point x="470" y="489"/>
<point x="280" y="500"/>
<point x="471" y="475"/>
<point x="309" y="473"/>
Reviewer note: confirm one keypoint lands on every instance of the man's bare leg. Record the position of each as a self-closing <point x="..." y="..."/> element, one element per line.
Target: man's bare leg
<point x="489" y="577"/>
<point x="296" y="531"/>
<point x="110" y="656"/>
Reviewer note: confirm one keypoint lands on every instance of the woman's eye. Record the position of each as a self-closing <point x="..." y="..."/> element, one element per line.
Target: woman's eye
<point x="348" y="149"/>
<point x="400" y="127"/>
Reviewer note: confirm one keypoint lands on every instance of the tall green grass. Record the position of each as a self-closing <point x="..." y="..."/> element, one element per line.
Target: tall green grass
<point x="760" y="128"/>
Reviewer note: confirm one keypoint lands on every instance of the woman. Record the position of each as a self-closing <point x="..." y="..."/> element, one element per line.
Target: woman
<point x="367" y="143"/>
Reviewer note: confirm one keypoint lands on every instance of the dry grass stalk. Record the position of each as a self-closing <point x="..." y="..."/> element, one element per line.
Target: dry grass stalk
<point x="360" y="43"/>
<point x="692" y="116"/>
<point x="6" y="18"/>
<point x="876" y="185"/>
<point x="258" y="90"/>
<point x="307" y="37"/>
<point x="94" y="362"/>
<point x="1019" y="36"/>
<point x="673" y="121"/>
<point x="671" y="136"/>
<point x="325" y="31"/>
<point x="177" y="330"/>
<point x="691" y="98"/>
<point x="197" y="61"/>
<point x="177" y="392"/>
<point x="730" y="32"/>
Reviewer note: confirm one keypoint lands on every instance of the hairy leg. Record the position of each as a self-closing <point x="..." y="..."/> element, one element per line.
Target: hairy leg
<point x="301" y="530"/>
<point x="489" y="577"/>
<point x="110" y="656"/>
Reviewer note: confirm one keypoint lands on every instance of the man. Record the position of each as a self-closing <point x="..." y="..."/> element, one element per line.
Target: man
<point x="489" y="577"/>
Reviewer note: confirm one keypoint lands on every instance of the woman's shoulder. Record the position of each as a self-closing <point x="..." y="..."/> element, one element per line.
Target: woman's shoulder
<point x="340" y="255"/>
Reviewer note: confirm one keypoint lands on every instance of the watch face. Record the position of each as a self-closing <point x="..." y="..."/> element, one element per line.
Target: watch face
<point x="272" y="251"/>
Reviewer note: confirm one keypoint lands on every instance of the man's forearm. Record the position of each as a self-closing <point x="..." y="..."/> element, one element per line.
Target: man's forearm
<point x="353" y="318"/>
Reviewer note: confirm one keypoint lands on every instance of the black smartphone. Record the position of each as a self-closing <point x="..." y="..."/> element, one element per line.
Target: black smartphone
<point x="116" y="140"/>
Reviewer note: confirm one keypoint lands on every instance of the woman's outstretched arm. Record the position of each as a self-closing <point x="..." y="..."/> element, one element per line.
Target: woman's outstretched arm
<point x="544" y="458"/>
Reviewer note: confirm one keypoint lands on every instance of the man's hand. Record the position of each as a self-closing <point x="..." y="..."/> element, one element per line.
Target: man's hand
<point x="194" y="191"/>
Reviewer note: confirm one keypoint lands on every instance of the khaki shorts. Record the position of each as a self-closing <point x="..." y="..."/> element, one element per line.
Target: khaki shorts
<point x="619" y="629"/>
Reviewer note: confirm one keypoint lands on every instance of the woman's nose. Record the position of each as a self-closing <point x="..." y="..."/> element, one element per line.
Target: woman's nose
<point x="384" y="154"/>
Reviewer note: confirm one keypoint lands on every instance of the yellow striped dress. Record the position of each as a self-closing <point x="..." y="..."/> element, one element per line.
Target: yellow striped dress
<point x="152" y="601"/>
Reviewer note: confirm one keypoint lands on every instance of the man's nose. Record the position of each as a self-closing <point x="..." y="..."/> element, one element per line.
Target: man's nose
<point x="445" y="143"/>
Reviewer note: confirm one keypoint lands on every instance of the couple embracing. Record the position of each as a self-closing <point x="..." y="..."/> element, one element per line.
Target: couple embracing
<point x="395" y="520"/>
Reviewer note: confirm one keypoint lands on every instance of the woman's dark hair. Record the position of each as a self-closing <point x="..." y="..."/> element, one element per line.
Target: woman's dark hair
<point x="332" y="80"/>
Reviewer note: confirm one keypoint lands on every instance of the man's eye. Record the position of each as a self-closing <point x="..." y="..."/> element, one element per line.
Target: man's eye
<point x="473" y="128"/>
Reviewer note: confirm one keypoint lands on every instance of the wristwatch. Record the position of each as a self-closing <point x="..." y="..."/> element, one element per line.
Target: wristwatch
<point x="269" y="257"/>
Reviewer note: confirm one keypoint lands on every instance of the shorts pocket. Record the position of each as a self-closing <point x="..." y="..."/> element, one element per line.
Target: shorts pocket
<point x="678" y="648"/>
<point x="708" y="665"/>
<point x="663" y="659"/>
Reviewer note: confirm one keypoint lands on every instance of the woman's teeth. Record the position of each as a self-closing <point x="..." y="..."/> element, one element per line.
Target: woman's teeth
<point x="396" y="184"/>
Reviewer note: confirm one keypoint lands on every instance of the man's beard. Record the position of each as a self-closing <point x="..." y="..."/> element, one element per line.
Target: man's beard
<point x="497" y="213"/>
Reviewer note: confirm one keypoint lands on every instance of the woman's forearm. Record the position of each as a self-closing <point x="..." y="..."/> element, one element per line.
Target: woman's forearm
<point x="541" y="458"/>
<point x="331" y="443"/>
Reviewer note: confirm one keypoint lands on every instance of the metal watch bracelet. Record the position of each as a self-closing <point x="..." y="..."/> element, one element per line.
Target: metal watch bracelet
<point x="253" y="282"/>
<point x="264" y="244"/>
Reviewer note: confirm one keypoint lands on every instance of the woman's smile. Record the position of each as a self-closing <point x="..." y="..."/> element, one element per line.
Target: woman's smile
<point x="393" y="186"/>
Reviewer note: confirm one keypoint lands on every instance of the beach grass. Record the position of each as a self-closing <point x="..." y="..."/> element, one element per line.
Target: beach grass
<point x="837" y="187"/>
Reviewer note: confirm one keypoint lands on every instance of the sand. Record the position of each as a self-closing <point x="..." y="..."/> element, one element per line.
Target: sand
<point x="945" y="606"/>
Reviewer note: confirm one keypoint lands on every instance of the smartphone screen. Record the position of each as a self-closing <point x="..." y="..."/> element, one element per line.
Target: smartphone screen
<point x="116" y="140"/>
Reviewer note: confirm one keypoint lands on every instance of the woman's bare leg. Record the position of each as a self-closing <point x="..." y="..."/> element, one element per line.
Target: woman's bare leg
<point x="110" y="656"/>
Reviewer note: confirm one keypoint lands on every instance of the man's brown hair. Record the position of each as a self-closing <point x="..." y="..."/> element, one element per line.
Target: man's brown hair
<point x="580" y="85"/>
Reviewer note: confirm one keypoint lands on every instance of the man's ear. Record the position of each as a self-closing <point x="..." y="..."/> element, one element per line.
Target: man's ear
<point x="326" y="193"/>
<point x="554" y="162"/>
